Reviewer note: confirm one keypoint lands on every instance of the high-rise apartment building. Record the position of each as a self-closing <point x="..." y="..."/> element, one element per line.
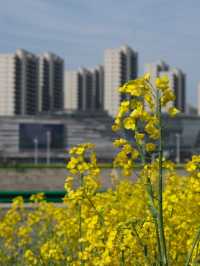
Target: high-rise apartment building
<point x="71" y="90"/>
<point x="18" y="83"/>
<point x="30" y="84"/>
<point x="85" y="92"/>
<point x="97" y="87"/>
<point x="7" y="84"/>
<point x="51" y="83"/>
<point x="179" y="86"/>
<point x="177" y="81"/>
<point x="84" y="89"/>
<point x="26" y="83"/>
<point x="120" y="65"/>
<point x="156" y="68"/>
<point x="78" y="90"/>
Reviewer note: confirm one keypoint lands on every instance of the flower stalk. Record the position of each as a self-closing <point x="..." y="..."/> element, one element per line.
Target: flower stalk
<point x="160" y="192"/>
<point x="80" y="218"/>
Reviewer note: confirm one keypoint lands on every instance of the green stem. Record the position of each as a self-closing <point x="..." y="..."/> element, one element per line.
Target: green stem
<point x="94" y="207"/>
<point x="80" y="220"/>
<point x="160" y="192"/>
<point x="122" y="258"/>
<point x="195" y="242"/>
<point x="158" y="242"/>
<point x="150" y="193"/>
<point x="147" y="260"/>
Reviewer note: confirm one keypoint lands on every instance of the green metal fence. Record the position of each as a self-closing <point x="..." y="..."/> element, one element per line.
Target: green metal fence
<point x="50" y="196"/>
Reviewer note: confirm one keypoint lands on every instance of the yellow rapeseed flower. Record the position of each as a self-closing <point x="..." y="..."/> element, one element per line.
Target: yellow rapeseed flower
<point x="173" y="111"/>
<point x="162" y="83"/>
<point x="147" y="76"/>
<point x="129" y="123"/>
<point x="150" y="147"/>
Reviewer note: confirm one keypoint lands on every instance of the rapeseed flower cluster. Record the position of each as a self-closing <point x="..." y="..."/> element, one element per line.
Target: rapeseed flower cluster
<point x="152" y="221"/>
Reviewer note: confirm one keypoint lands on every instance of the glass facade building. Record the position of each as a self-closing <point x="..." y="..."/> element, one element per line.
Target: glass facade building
<point x="28" y="132"/>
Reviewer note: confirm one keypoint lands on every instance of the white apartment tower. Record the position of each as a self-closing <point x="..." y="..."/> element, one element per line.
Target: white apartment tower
<point x="84" y="89"/>
<point x="156" y="68"/>
<point x="51" y="82"/>
<point x="78" y="90"/>
<point x="97" y="87"/>
<point x="7" y="84"/>
<point x="18" y="83"/>
<point x="177" y="80"/>
<point x="71" y="90"/>
<point x="120" y="65"/>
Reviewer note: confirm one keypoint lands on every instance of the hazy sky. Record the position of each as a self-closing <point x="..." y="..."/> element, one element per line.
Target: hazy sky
<point x="80" y="30"/>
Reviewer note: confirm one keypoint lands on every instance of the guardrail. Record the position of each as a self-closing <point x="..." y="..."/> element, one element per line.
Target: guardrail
<point x="50" y="196"/>
<point x="44" y="166"/>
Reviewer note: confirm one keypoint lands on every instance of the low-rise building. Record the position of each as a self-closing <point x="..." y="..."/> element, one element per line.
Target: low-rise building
<point x="21" y="136"/>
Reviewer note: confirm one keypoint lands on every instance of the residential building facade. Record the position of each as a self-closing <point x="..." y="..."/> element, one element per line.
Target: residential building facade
<point x="30" y="84"/>
<point x="18" y="83"/>
<point x="26" y="90"/>
<point x="7" y="84"/>
<point x="84" y="89"/>
<point x="98" y="87"/>
<point x="120" y="65"/>
<point x="177" y="81"/>
<point x="51" y="83"/>
<point x="71" y="90"/>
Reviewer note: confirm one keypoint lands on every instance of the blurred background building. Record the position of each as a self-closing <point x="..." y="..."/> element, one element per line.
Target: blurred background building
<point x="44" y="109"/>
<point x="120" y="65"/>
<point x="51" y="83"/>
<point x="30" y="84"/>
<point x="84" y="89"/>
<point x="18" y="83"/>
<point x="177" y="80"/>
<point x="23" y="138"/>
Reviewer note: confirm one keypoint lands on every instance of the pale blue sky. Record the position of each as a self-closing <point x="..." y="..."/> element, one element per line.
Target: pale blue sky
<point x="80" y="30"/>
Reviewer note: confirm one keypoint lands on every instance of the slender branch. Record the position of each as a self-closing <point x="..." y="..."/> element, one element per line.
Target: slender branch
<point x="93" y="206"/>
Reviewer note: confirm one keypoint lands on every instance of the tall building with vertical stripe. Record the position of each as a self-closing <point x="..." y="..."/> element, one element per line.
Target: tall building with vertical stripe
<point x="120" y="65"/>
<point x="18" y="83"/>
<point x="177" y="81"/>
<point x="71" y="84"/>
<point x="30" y="84"/>
<point x="84" y="89"/>
<point x="51" y="83"/>
<point x="98" y="87"/>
